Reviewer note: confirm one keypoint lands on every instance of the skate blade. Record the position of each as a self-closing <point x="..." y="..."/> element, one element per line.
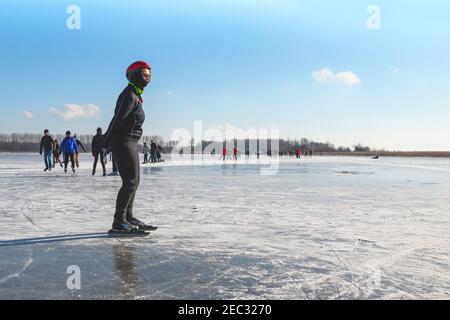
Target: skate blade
<point x="148" y="228"/>
<point x="118" y="233"/>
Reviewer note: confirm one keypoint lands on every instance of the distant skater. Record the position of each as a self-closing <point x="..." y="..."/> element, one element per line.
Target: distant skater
<point x="224" y="153"/>
<point x="146" y="151"/>
<point x="56" y="152"/>
<point x="298" y="153"/>
<point x="153" y="151"/>
<point x="70" y="148"/>
<point x="123" y="134"/>
<point x="79" y="144"/>
<point x="48" y="145"/>
<point x="235" y="153"/>
<point x="159" y="150"/>
<point x="98" y="148"/>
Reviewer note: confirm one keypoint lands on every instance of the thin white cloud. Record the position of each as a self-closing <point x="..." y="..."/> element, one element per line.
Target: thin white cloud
<point x="28" y="114"/>
<point x="326" y="75"/>
<point x="72" y="111"/>
<point x="348" y="78"/>
<point x="394" y="70"/>
<point x="323" y="75"/>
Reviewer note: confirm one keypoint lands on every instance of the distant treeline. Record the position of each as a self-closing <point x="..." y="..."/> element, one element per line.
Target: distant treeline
<point x="29" y="142"/>
<point x="427" y="154"/>
<point x="284" y="145"/>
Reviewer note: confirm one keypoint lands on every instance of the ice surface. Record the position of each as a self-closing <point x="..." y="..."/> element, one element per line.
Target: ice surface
<point x="321" y="228"/>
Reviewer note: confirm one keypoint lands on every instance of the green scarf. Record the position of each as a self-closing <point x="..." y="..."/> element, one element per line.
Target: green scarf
<point x="139" y="91"/>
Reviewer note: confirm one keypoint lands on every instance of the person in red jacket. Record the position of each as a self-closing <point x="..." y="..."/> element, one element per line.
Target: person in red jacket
<point x="235" y="153"/>
<point x="224" y="153"/>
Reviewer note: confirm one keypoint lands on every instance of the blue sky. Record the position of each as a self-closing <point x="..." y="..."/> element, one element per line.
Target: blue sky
<point x="246" y="64"/>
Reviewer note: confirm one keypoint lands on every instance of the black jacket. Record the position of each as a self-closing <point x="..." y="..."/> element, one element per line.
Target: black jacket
<point x="98" y="143"/>
<point x="128" y="117"/>
<point x="46" y="143"/>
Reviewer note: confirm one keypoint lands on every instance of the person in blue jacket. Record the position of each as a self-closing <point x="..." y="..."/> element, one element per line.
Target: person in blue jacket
<point x="69" y="147"/>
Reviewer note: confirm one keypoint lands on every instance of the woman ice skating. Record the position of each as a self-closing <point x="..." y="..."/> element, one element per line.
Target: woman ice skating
<point x="48" y="145"/>
<point x="69" y="147"/>
<point x="123" y="135"/>
<point x="79" y="144"/>
<point x="56" y="151"/>
<point x="98" y="148"/>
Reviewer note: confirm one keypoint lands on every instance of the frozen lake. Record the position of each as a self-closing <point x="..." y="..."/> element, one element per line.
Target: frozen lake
<point x="321" y="228"/>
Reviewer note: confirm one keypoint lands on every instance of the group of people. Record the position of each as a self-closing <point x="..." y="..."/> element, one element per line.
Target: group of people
<point x="154" y="150"/>
<point x="298" y="153"/>
<point x="70" y="150"/>
<point x="227" y="155"/>
<point x="52" y="151"/>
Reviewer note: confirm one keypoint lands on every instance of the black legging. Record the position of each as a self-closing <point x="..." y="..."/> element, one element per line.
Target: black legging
<point x="66" y="160"/>
<point x="127" y="158"/>
<point x="102" y="160"/>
